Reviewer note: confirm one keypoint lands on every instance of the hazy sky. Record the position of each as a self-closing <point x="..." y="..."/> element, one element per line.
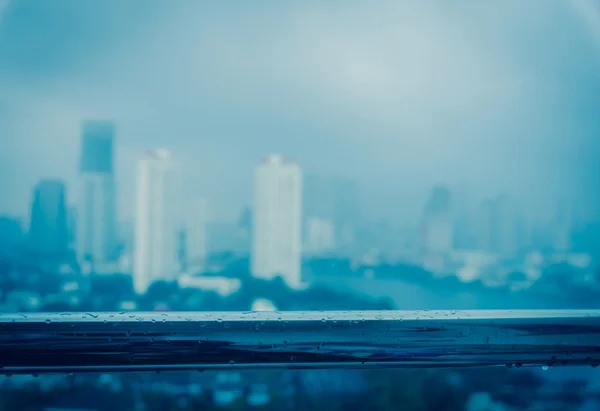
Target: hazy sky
<point x="486" y="96"/>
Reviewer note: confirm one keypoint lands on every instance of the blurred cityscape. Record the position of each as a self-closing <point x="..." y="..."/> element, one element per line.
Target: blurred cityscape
<point x="234" y="156"/>
<point x="305" y="231"/>
<point x="302" y="245"/>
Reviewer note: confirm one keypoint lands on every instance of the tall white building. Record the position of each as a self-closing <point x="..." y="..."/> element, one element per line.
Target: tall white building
<point x="96" y="214"/>
<point x="276" y="234"/>
<point x="195" y="235"/>
<point x="155" y="242"/>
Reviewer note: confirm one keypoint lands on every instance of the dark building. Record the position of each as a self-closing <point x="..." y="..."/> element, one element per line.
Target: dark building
<point x="48" y="232"/>
<point x="96" y="208"/>
<point x="97" y="147"/>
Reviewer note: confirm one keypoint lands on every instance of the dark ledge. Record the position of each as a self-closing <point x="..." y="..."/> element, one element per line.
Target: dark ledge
<point x="100" y="342"/>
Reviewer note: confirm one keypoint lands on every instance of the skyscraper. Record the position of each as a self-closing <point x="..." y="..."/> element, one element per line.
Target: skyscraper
<point x="562" y="225"/>
<point x="155" y="243"/>
<point x="437" y="224"/>
<point x="498" y="227"/>
<point x="276" y="234"/>
<point x="195" y="235"/>
<point x="95" y="236"/>
<point x="48" y="231"/>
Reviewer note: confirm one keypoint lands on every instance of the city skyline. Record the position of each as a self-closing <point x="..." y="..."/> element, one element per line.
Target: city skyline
<point x="492" y="100"/>
<point x="200" y="167"/>
<point x="328" y="224"/>
<point x="324" y="227"/>
<point x="334" y="182"/>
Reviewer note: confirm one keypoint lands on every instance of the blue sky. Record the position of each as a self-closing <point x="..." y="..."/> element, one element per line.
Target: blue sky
<point x="484" y="96"/>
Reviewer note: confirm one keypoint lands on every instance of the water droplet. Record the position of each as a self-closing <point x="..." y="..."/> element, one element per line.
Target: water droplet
<point x="219" y="319"/>
<point x="104" y="321"/>
<point x="231" y="362"/>
<point x="545" y="368"/>
<point x="323" y="319"/>
<point x="48" y="320"/>
<point x="292" y="358"/>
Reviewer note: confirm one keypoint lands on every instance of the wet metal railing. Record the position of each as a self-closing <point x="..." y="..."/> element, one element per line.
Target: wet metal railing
<point x="100" y="342"/>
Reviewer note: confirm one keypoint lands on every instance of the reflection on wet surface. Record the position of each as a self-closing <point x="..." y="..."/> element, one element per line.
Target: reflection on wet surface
<point x="78" y="342"/>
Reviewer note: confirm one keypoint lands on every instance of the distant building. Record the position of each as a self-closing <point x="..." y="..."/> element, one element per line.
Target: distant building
<point x="226" y="237"/>
<point x="562" y="226"/>
<point x="320" y="236"/>
<point x="155" y="243"/>
<point x="72" y="225"/>
<point x="96" y="207"/>
<point x="221" y="285"/>
<point x="437" y="223"/>
<point x="48" y="232"/>
<point x="244" y="221"/>
<point x="276" y="242"/>
<point x="499" y="227"/>
<point x="464" y="235"/>
<point x="336" y="199"/>
<point x="195" y="235"/>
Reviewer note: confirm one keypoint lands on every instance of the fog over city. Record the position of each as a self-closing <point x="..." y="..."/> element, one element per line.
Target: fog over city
<point x="485" y="99"/>
<point x="209" y="186"/>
